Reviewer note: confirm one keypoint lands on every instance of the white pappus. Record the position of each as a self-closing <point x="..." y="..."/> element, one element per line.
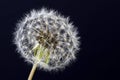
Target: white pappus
<point x="46" y="37"/>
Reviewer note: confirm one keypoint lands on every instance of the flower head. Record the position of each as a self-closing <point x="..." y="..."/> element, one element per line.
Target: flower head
<point x="46" y="37"/>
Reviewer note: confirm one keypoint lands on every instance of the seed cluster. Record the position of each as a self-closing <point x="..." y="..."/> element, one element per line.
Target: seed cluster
<point x="47" y="39"/>
<point x="48" y="36"/>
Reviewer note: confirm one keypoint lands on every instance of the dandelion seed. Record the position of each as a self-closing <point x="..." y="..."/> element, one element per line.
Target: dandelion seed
<point x="47" y="40"/>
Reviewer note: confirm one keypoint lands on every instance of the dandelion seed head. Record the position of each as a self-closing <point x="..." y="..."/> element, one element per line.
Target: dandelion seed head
<point x="46" y="37"/>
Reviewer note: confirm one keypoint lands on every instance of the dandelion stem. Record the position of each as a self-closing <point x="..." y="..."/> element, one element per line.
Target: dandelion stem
<point x="32" y="71"/>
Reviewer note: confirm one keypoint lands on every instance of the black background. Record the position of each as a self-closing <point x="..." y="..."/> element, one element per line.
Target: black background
<point x="98" y="23"/>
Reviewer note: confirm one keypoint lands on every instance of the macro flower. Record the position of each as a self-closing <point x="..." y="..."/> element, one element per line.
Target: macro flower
<point x="47" y="38"/>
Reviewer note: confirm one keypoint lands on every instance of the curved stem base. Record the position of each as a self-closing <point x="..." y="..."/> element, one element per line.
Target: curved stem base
<point x="32" y="71"/>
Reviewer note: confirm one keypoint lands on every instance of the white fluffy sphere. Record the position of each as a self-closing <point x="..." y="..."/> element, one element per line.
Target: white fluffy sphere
<point x="46" y="37"/>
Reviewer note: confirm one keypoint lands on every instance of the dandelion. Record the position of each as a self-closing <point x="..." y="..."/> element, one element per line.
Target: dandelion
<point x="47" y="40"/>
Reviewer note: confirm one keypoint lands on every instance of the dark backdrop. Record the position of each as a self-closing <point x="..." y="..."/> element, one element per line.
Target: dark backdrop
<point x="96" y="20"/>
